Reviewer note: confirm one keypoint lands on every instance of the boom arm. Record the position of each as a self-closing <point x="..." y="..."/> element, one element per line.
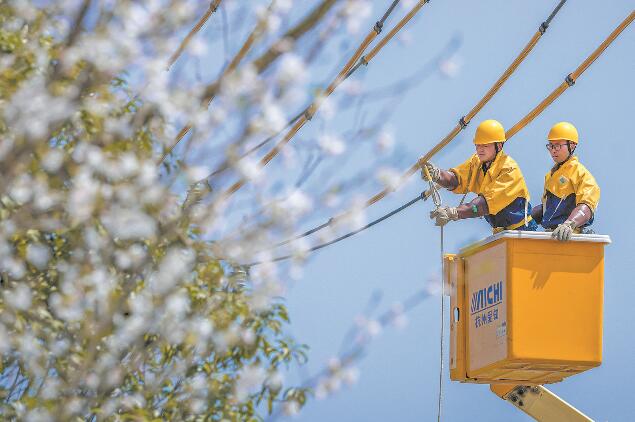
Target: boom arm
<point x="539" y="403"/>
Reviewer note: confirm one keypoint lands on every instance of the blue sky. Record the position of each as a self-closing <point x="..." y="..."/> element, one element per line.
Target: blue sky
<point x="398" y="377"/>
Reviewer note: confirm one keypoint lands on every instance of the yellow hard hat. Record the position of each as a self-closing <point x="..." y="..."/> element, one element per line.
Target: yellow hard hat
<point x="488" y="132"/>
<point x="563" y="131"/>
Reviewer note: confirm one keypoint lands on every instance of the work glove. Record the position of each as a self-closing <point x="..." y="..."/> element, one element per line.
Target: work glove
<point x="564" y="231"/>
<point x="444" y="214"/>
<point x="435" y="172"/>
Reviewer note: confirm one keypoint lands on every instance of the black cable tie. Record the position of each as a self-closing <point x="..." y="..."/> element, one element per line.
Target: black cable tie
<point x="463" y="123"/>
<point x="378" y="26"/>
<point x="543" y="27"/>
<point x="569" y="80"/>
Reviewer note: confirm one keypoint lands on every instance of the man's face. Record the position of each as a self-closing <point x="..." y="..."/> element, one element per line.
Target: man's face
<point x="486" y="152"/>
<point x="558" y="150"/>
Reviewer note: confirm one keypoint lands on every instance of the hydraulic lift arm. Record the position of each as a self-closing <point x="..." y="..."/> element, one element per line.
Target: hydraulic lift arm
<point x="539" y="403"/>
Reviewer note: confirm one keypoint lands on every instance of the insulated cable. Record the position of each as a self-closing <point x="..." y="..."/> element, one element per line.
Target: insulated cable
<point x="213" y="6"/>
<point x="342" y="75"/>
<point x="422" y="196"/>
<point x="569" y="81"/>
<point x="571" y="78"/>
<point x="463" y="121"/>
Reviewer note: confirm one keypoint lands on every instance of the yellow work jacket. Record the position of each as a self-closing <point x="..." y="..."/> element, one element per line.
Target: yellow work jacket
<point x="503" y="187"/>
<point x="567" y="186"/>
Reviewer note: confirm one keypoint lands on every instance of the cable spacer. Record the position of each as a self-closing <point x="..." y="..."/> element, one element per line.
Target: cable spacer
<point x="569" y="80"/>
<point x="543" y="27"/>
<point x="363" y="60"/>
<point x="463" y="123"/>
<point x="378" y="26"/>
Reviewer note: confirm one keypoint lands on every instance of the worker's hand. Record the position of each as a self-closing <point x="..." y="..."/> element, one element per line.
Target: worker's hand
<point x="564" y="231"/>
<point x="443" y="215"/>
<point x="434" y="171"/>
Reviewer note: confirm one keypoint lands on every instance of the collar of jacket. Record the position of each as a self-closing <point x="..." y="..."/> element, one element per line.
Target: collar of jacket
<point x="493" y="165"/>
<point x="572" y="159"/>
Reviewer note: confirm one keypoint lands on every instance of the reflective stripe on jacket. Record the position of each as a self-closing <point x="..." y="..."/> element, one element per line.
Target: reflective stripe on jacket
<point x="568" y="186"/>
<point x="503" y="187"/>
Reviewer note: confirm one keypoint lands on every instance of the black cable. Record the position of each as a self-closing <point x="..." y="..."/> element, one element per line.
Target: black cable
<point x="555" y="12"/>
<point x="346" y="236"/>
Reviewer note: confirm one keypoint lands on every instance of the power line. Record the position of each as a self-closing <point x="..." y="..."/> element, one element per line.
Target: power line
<point x="463" y="121"/>
<point x="422" y="196"/>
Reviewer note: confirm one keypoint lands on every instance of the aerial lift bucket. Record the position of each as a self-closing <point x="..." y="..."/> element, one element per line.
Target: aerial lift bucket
<point x="526" y="310"/>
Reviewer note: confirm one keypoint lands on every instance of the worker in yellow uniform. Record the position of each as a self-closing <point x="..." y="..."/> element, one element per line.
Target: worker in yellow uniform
<point x="502" y="195"/>
<point x="571" y="193"/>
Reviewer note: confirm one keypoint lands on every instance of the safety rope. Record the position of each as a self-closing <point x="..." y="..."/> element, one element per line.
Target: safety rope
<point x="442" y="334"/>
<point x="463" y="121"/>
<point x="342" y="75"/>
<point x="436" y="198"/>
<point x="213" y="6"/>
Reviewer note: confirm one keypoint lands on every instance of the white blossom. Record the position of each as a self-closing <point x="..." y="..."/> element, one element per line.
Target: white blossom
<point x="331" y="144"/>
<point x="38" y="255"/>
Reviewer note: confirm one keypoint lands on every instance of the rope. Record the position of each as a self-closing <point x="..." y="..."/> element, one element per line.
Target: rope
<point x="463" y="121"/>
<point x="346" y="71"/>
<point x="422" y="196"/>
<point x="436" y="197"/>
<point x="440" y="400"/>
<point x="213" y="6"/>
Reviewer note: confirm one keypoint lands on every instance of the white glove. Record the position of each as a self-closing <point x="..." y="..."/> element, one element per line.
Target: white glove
<point x="443" y="215"/>
<point x="564" y="231"/>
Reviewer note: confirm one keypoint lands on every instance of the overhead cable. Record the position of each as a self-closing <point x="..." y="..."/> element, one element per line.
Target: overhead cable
<point x="413" y="201"/>
<point x="569" y="81"/>
<point x="462" y="124"/>
<point x="356" y="60"/>
<point x="213" y="6"/>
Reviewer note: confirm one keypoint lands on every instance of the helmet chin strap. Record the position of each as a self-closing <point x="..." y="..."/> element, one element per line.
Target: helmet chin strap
<point x="487" y="164"/>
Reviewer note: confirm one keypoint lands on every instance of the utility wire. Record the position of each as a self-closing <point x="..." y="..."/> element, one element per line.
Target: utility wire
<point x="463" y="121"/>
<point x="569" y="81"/>
<point x="309" y="110"/>
<point x="355" y="61"/>
<point x="213" y="6"/>
<point x="421" y="196"/>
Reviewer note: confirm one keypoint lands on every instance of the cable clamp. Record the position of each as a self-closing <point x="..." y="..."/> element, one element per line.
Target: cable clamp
<point x="543" y="27"/>
<point x="308" y="114"/>
<point x="463" y="123"/>
<point x="569" y="80"/>
<point x="378" y="26"/>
